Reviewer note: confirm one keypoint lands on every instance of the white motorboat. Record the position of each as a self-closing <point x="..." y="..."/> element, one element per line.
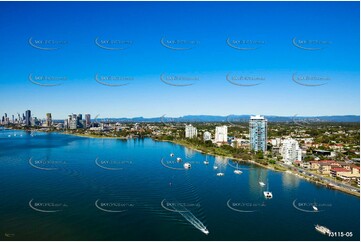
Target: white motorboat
<point x="215" y="167"/>
<point x="171" y="154"/>
<point x="262" y="184"/>
<point x="179" y="159"/>
<point x="237" y="172"/>
<point x="206" y="162"/>
<point x="322" y="229"/>
<point x="220" y="174"/>
<point x="314" y="208"/>
<point x="187" y="165"/>
<point x="205" y="230"/>
<point x="267" y="194"/>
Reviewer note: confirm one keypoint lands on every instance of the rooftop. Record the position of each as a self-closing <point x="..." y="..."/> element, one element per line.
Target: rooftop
<point x="339" y="169"/>
<point x="257" y="117"/>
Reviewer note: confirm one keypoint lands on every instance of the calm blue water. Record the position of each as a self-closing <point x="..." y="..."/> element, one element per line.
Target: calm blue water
<point x="62" y="187"/>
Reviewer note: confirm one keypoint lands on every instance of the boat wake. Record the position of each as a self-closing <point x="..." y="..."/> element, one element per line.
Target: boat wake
<point x="188" y="215"/>
<point x="194" y="221"/>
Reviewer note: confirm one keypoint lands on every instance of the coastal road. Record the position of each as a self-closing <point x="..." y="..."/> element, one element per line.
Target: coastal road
<point x="325" y="179"/>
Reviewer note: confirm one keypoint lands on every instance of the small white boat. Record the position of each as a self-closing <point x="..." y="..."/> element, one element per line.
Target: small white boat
<point x="187" y="165"/>
<point x="205" y="230"/>
<point x="237" y="172"/>
<point x="268" y="194"/>
<point x="322" y="229"/>
<point x="206" y="162"/>
<point x="215" y="167"/>
<point x="262" y="184"/>
<point x="171" y="154"/>
<point x="314" y="208"/>
<point x="220" y="174"/>
<point x="179" y="159"/>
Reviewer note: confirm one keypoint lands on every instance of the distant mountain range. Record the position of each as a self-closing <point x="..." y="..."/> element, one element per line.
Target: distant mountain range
<point x="238" y="118"/>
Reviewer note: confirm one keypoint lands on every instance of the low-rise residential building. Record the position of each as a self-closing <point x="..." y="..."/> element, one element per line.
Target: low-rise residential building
<point x="315" y="165"/>
<point x="355" y="170"/>
<point x="305" y="164"/>
<point x="346" y="171"/>
<point x="323" y="166"/>
<point x="276" y="142"/>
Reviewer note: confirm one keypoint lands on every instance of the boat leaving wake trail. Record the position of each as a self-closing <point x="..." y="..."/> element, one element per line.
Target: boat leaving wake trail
<point x="188" y="215"/>
<point x="194" y="221"/>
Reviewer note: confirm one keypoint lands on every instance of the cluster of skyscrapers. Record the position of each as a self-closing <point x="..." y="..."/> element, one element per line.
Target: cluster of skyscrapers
<point x="75" y="121"/>
<point x="24" y="119"/>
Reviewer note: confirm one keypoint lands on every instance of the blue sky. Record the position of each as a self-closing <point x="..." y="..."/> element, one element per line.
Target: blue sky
<point x="273" y="24"/>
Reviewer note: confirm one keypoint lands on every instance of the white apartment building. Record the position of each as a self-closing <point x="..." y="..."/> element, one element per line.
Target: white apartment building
<point x="207" y="136"/>
<point x="221" y="134"/>
<point x="276" y="142"/>
<point x="290" y="151"/>
<point x="190" y="131"/>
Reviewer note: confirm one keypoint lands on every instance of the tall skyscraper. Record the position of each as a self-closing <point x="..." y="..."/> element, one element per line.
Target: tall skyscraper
<point x="28" y="118"/>
<point x="80" y="121"/>
<point x="87" y="120"/>
<point x="190" y="131"/>
<point x="258" y="133"/>
<point x="48" y="119"/>
<point x="221" y="134"/>
<point x="73" y="122"/>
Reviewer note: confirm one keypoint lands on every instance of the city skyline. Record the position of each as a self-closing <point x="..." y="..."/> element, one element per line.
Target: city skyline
<point x="289" y="63"/>
<point x="164" y="117"/>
